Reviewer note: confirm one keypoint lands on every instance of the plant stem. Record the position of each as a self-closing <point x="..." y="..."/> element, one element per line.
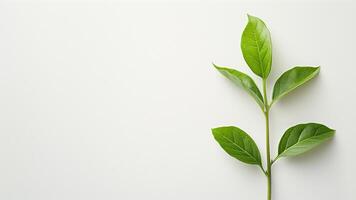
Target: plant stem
<point x="269" y="164"/>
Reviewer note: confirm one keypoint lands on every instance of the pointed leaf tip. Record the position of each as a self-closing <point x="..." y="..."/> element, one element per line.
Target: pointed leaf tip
<point x="244" y="81"/>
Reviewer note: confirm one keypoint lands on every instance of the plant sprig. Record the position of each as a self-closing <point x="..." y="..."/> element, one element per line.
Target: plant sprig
<point x="256" y="46"/>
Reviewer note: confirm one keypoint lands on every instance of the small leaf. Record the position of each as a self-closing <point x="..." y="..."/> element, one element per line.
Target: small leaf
<point x="302" y="138"/>
<point x="238" y="144"/>
<point x="292" y="79"/>
<point x="244" y="81"/>
<point x="256" y="46"/>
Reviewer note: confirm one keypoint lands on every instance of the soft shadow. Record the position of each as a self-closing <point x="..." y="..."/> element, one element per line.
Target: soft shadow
<point x="243" y="168"/>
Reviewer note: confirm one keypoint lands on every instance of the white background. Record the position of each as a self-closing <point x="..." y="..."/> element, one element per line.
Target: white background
<point x="116" y="100"/>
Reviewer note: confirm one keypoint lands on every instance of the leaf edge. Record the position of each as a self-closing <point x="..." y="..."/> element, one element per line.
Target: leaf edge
<point x="310" y="77"/>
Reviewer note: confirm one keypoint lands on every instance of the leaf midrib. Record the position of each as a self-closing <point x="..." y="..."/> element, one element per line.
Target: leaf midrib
<point x="258" y="50"/>
<point x="308" y="78"/>
<point x="240" y="75"/>
<point x="241" y="149"/>
<point x="286" y="149"/>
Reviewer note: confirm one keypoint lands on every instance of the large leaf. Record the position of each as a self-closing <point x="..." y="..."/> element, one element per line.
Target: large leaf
<point x="238" y="144"/>
<point x="292" y="79"/>
<point x="244" y="81"/>
<point x="302" y="138"/>
<point x="256" y="46"/>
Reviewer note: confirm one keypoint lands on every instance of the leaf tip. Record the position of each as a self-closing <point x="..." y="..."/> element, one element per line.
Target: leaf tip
<point x="317" y="70"/>
<point x="218" y="67"/>
<point x="253" y="18"/>
<point x="213" y="130"/>
<point x="250" y="17"/>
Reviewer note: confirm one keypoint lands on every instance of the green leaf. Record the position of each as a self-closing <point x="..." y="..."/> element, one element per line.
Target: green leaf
<point x="292" y="79"/>
<point x="302" y="138"/>
<point x="244" y="81"/>
<point x="238" y="144"/>
<point x="256" y="46"/>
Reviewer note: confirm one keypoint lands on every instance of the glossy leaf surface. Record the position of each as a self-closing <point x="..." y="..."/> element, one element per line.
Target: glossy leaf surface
<point x="244" y="81"/>
<point x="256" y="46"/>
<point x="238" y="144"/>
<point x="292" y="79"/>
<point x="302" y="138"/>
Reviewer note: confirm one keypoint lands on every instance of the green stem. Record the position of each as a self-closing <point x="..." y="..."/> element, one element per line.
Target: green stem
<point x="269" y="164"/>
